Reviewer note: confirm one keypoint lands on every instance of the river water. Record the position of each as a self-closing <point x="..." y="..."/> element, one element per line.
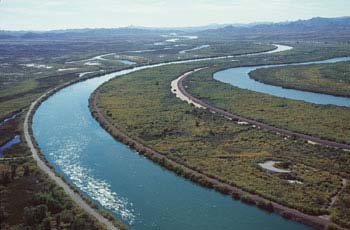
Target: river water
<point x="15" y="140"/>
<point x="239" y="77"/>
<point x="135" y="190"/>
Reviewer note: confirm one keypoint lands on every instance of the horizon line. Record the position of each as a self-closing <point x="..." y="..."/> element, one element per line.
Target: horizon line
<point x="173" y="27"/>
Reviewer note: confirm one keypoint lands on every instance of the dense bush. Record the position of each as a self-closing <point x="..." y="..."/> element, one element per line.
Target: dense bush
<point x="326" y="121"/>
<point x="322" y="78"/>
<point x="219" y="148"/>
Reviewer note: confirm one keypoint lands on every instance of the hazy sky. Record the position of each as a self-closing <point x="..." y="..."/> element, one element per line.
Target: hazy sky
<point x="61" y="14"/>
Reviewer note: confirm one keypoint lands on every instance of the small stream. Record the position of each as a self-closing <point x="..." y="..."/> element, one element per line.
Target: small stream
<point x="10" y="118"/>
<point x="15" y="140"/>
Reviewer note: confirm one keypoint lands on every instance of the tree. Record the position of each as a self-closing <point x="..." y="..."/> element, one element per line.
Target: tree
<point x="58" y="221"/>
<point x="40" y="213"/>
<point x="28" y="216"/>
<point x="3" y="214"/>
<point x="197" y="123"/>
<point x="46" y="223"/>
<point x="66" y="216"/>
<point x="13" y="171"/>
<point x="5" y="178"/>
<point x="26" y="170"/>
<point x="81" y="223"/>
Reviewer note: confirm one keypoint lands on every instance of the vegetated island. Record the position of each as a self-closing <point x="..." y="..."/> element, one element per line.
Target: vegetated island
<point x="333" y="78"/>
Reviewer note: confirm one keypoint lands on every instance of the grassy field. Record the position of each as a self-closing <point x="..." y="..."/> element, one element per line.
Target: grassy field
<point x="322" y="78"/>
<point x="142" y="105"/>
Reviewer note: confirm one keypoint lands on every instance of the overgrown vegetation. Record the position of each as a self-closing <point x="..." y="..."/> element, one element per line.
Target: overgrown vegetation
<point x="142" y="105"/>
<point x="28" y="198"/>
<point x="326" y="121"/>
<point x="322" y="78"/>
<point x="20" y="85"/>
<point x="341" y="213"/>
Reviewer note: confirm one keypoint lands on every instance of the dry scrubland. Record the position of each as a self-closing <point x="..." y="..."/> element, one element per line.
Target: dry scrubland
<point x="325" y="121"/>
<point x="142" y="105"/>
<point x="20" y="86"/>
<point x="331" y="79"/>
<point x="29" y="199"/>
<point x="149" y="112"/>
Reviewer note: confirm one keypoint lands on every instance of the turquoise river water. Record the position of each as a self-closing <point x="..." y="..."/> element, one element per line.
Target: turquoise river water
<point x="239" y="77"/>
<point x="137" y="191"/>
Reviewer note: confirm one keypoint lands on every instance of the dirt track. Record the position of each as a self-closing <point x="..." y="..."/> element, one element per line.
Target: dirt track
<point x="184" y="95"/>
<point x="293" y="214"/>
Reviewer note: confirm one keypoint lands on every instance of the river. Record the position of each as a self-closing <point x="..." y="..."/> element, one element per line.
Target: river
<point x="239" y="77"/>
<point x="135" y="190"/>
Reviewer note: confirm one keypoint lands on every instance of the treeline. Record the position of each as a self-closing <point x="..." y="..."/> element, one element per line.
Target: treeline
<point x="43" y="205"/>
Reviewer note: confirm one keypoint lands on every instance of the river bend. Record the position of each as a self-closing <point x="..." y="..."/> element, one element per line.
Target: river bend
<point x="135" y="190"/>
<point x="239" y="77"/>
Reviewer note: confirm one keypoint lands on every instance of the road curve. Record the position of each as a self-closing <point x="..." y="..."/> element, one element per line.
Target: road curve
<point x="314" y="221"/>
<point x="58" y="180"/>
<point x="179" y="90"/>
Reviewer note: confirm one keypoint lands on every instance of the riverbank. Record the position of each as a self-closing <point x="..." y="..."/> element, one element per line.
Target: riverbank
<point x="328" y="121"/>
<point x="24" y="191"/>
<point x="328" y="78"/>
<point x="97" y="83"/>
<point x="44" y="166"/>
<point x="201" y="178"/>
<point x="120" y="72"/>
<point x="201" y="104"/>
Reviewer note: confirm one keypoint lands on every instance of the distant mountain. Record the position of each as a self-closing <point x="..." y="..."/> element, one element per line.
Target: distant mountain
<point x="312" y="28"/>
<point x="315" y="28"/>
<point x="183" y="29"/>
